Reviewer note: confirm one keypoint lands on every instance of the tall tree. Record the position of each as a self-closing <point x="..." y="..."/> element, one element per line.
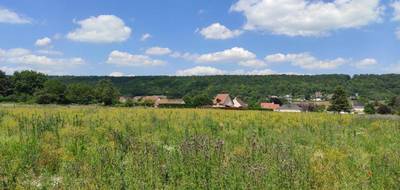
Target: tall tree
<point x="5" y="85"/>
<point x="106" y="93"/>
<point x="78" y="93"/>
<point x="198" y="100"/>
<point x="28" y="82"/>
<point x="53" y="92"/>
<point x="339" y="102"/>
<point x="395" y="103"/>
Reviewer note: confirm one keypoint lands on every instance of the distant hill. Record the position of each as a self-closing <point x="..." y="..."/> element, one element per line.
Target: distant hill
<point x="251" y="88"/>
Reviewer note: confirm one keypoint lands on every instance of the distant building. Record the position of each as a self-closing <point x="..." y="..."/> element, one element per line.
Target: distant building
<point x="124" y="99"/>
<point x="169" y="103"/>
<point x="269" y="106"/>
<point x="289" y="108"/>
<point x="318" y="96"/>
<point x="222" y="101"/>
<point x="238" y="103"/>
<point x="150" y="98"/>
<point x="358" y="107"/>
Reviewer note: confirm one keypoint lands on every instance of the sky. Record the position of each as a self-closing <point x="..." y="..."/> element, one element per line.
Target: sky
<point x="208" y="37"/>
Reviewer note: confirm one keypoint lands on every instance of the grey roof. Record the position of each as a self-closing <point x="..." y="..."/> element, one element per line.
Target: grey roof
<point x="357" y="104"/>
<point x="290" y="107"/>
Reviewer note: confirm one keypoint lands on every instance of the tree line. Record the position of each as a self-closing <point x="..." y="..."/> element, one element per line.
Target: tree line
<point x="380" y="93"/>
<point x="35" y="87"/>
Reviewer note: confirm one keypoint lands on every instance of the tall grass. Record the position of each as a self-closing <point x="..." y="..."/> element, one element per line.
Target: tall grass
<point x="118" y="148"/>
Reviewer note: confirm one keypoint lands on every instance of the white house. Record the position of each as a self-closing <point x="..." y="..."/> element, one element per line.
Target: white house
<point x="222" y="101"/>
<point x="238" y="103"/>
<point x="293" y="108"/>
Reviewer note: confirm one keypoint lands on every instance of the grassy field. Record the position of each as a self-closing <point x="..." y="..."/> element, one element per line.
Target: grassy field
<point x="118" y="148"/>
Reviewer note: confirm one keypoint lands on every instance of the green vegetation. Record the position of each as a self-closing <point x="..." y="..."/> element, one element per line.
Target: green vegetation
<point x="34" y="87"/>
<point x="122" y="148"/>
<point x="339" y="101"/>
<point x="251" y="88"/>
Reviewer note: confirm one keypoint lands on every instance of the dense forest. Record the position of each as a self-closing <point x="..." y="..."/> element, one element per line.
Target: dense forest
<point x="251" y="88"/>
<point x="378" y="91"/>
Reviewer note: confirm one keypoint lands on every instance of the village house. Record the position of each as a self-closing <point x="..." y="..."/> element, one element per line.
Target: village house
<point x="293" y="108"/>
<point x="169" y="103"/>
<point x="222" y="101"/>
<point x="269" y="106"/>
<point x="358" y="107"/>
<point x="124" y="99"/>
<point x="238" y="103"/>
<point x="150" y="98"/>
<point x="318" y="96"/>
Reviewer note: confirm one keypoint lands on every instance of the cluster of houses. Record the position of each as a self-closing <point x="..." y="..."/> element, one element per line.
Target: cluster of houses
<point x="225" y="101"/>
<point x="156" y="101"/>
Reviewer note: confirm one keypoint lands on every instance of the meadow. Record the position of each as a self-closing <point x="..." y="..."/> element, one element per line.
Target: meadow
<point x="122" y="148"/>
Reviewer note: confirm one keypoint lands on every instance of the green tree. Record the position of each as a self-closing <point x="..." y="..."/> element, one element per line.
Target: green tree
<point x="197" y="100"/>
<point x="5" y="84"/>
<point x="28" y="82"/>
<point x="106" y="93"/>
<point x="53" y="92"/>
<point x="79" y="93"/>
<point x="370" y="109"/>
<point x="339" y="102"/>
<point x="395" y="104"/>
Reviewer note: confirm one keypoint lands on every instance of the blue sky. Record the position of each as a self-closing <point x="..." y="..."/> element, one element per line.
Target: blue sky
<point x="177" y="37"/>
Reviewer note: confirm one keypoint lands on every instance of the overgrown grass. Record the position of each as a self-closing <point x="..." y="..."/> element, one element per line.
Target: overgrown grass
<point x="118" y="148"/>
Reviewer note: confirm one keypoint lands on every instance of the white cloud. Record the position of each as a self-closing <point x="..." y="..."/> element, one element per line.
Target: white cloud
<point x="127" y="59"/>
<point x="306" y="61"/>
<point x="253" y="63"/>
<point x="158" y="51"/>
<point x="235" y="54"/>
<point x="209" y="71"/>
<point x="49" y="52"/>
<point x="43" y="42"/>
<point x="101" y="29"/>
<point x="258" y="72"/>
<point x="366" y="63"/>
<point x="119" y="74"/>
<point x="217" y="31"/>
<point x="275" y="58"/>
<point x="11" y="70"/>
<point x="307" y="18"/>
<point x="396" y="7"/>
<point x="11" y="17"/>
<point x="23" y="59"/>
<point x="199" y="70"/>
<point x="145" y="37"/>
<point x="26" y="57"/>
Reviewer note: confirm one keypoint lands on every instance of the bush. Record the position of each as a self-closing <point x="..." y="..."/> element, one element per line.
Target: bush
<point x="384" y="109"/>
<point x="370" y="109"/>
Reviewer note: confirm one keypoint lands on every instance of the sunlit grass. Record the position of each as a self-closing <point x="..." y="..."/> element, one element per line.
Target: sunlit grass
<point x="116" y="148"/>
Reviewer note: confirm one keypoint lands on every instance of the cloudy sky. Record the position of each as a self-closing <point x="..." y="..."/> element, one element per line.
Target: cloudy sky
<point x="192" y="37"/>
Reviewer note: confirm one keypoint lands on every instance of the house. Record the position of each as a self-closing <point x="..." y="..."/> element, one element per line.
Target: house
<point x="222" y="101"/>
<point x="124" y="99"/>
<point x="148" y="98"/>
<point x="169" y="103"/>
<point x="358" y="108"/>
<point x="318" y="96"/>
<point x="238" y="103"/>
<point x="269" y="106"/>
<point x="289" y="108"/>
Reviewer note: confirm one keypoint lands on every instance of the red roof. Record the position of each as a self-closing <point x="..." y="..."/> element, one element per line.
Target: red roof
<point x="220" y="98"/>
<point x="270" y="106"/>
